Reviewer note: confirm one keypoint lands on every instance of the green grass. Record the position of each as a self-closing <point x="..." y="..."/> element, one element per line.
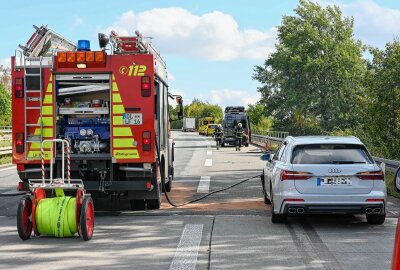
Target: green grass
<point x="389" y="179"/>
<point x="5" y="159"/>
<point x="5" y="143"/>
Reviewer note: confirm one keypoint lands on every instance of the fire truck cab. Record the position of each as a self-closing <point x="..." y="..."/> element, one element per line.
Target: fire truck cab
<point x="112" y="108"/>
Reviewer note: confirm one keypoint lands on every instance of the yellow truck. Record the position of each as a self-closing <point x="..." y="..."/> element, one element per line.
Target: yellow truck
<point x="203" y="124"/>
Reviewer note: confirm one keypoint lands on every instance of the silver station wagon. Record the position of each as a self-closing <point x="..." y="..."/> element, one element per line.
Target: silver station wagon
<point x="324" y="175"/>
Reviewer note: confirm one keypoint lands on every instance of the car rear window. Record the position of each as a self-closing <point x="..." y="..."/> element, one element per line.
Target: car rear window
<point x="330" y="154"/>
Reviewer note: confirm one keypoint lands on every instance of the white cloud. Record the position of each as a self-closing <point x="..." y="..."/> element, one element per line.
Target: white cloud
<point x="211" y="36"/>
<point x="373" y="24"/>
<point x="228" y="97"/>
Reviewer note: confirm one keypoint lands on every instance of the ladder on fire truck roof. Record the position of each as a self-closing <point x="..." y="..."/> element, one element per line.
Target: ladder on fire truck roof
<point x="33" y="85"/>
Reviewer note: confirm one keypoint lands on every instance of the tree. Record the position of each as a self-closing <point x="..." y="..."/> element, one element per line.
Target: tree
<point x="5" y="97"/>
<point x="310" y="84"/>
<point x="381" y="105"/>
<point x="199" y="109"/>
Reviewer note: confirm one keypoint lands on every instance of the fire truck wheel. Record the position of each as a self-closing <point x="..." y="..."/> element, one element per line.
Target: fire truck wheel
<point x="137" y="205"/>
<point x="168" y="185"/>
<point x="87" y="218"/>
<point x="24" y="220"/>
<point x="155" y="203"/>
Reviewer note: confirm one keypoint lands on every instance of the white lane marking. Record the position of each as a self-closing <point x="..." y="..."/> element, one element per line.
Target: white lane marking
<point x="208" y="143"/>
<point x="188" y="248"/>
<point x="204" y="184"/>
<point x="8" y="168"/>
<point x="209" y="152"/>
<point x="208" y="162"/>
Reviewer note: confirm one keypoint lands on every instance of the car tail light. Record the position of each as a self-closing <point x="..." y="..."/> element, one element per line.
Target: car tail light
<point x="20" y="167"/>
<point x="148" y="185"/>
<point x="19" y="87"/>
<point x="19" y="142"/>
<point x="376" y="200"/>
<point x="293" y="175"/>
<point x="146" y="141"/>
<point x="146" y="86"/>
<point x="374" y="175"/>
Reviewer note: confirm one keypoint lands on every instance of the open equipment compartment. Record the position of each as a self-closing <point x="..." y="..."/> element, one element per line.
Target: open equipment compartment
<point x="83" y="113"/>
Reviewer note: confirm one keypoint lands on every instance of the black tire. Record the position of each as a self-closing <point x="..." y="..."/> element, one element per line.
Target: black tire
<point x="376" y="219"/>
<point x="168" y="185"/>
<point x="24" y="220"/>
<point x="276" y="218"/>
<point x="266" y="200"/>
<point x="87" y="218"/>
<point x="223" y="144"/>
<point x="137" y="205"/>
<point x="155" y="203"/>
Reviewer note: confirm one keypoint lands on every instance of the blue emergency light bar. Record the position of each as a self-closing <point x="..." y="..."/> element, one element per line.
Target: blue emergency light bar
<point x="83" y="45"/>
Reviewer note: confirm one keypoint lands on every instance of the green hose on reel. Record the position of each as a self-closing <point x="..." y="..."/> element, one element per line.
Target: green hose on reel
<point x="57" y="216"/>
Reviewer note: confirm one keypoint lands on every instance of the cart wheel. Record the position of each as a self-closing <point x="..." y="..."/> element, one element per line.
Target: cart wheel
<point x="24" y="221"/>
<point x="87" y="218"/>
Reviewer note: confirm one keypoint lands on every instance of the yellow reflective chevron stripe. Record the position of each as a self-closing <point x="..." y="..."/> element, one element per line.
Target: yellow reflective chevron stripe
<point x="47" y="132"/>
<point x="118" y="109"/>
<point x="114" y="87"/>
<point x="47" y="110"/>
<point x="120" y="144"/>
<point x="48" y="99"/>
<point x="122" y="132"/>
<point x="118" y="120"/>
<point x="117" y="98"/>
<point x="126" y="154"/>
<point x="124" y="143"/>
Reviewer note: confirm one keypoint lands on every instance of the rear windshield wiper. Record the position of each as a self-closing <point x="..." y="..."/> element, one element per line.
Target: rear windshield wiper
<point x="347" y="162"/>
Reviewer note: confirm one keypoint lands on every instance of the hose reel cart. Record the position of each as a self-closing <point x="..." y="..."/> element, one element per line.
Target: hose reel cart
<point x="56" y="207"/>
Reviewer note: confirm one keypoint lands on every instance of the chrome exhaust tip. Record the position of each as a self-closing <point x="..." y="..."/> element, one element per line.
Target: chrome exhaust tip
<point x="300" y="210"/>
<point x="291" y="210"/>
<point x="377" y="210"/>
<point x="368" y="210"/>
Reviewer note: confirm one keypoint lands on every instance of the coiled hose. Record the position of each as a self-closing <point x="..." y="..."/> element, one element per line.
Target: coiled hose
<point x="56" y="216"/>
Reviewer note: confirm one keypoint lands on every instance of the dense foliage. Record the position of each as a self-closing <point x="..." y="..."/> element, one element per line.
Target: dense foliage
<point x="318" y="82"/>
<point x="5" y="97"/>
<point x="198" y="109"/>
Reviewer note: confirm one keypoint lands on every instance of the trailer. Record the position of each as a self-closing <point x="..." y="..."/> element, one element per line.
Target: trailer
<point x="113" y="109"/>
<point x="189" y="125"/>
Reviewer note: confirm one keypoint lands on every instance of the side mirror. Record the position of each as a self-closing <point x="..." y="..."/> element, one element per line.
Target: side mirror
<point x="397" y="180"/>
<point x="179" y="101"/>
<point x="267" y="156"/>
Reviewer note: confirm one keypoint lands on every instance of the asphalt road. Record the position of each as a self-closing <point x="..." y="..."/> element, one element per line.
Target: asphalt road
<point x="227" y="230"/>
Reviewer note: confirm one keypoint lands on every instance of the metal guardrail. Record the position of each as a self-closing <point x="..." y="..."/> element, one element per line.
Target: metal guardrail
<point x="386" y="164"/>
<point x="5" y="151"/>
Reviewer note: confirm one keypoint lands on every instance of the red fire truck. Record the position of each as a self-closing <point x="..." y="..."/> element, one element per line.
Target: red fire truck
<point x="112" y="108"/>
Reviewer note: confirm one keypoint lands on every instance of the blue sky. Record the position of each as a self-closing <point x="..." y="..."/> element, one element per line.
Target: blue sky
<point x="210" y="46"/>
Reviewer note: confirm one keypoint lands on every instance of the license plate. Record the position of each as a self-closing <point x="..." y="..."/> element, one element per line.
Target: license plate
<point x="133" y="119"/>
<point x="334" y="181"/>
